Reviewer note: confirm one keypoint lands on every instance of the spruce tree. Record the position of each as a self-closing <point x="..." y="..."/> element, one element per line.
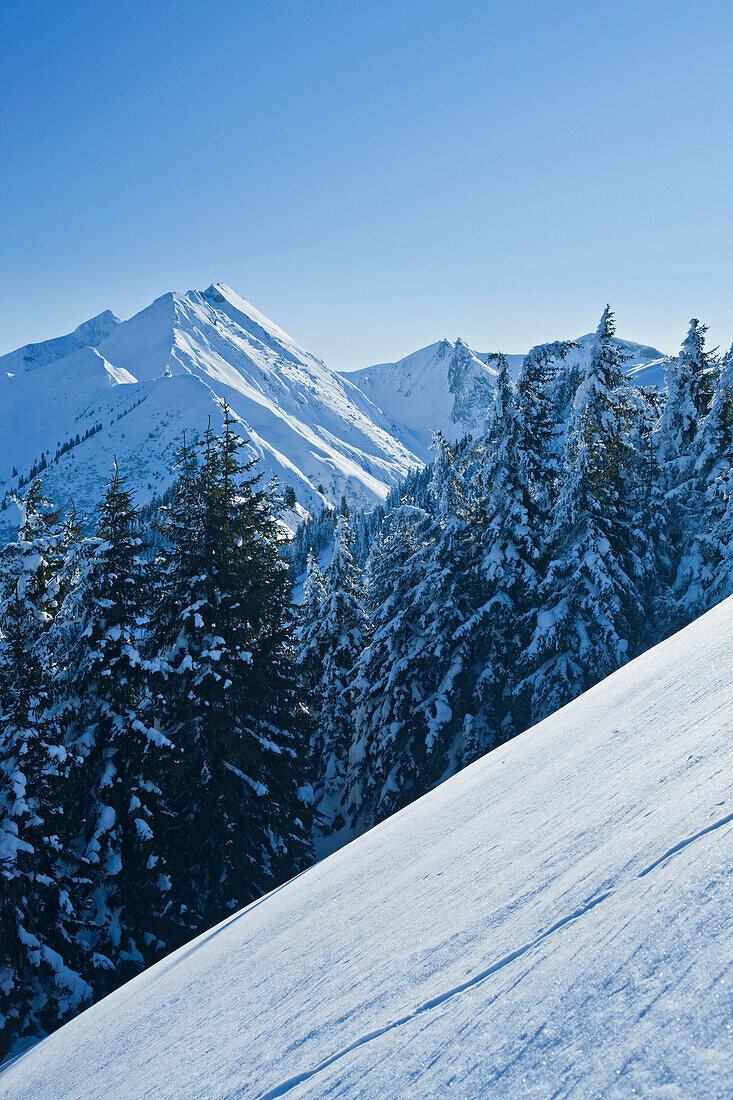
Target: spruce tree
<point x="541" y="425"/>
<point x="690" y="384"/>
<point x="394" y="681"/>
<point x="652" y="535"/>
<point x="120" y="804"/>
<point x="503" y="507"/>
<point x="336" y="637"/>
<point x="449" y="618"/>
<point x="227" y="692"/>
<point x="714" y="467"/>
<point x="41" y="959"/>
<point x="589" y="618"/>
<point x="309" y="645"/>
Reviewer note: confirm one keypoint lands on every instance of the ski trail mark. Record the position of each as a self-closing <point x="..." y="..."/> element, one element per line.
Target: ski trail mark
<point x="434" y="1002"/>
<point x="683" y="844"/>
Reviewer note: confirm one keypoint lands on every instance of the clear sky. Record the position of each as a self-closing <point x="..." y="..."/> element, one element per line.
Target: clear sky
<point x="375" y="175"/>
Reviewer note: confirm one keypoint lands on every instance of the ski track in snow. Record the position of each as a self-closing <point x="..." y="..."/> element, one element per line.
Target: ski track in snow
<point x="684" y="843"/>
<point x="436" y="1002"/>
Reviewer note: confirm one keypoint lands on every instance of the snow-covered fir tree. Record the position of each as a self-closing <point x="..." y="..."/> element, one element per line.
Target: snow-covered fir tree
<point x="331" y="646"/>
<point x="589" y="618"/>
<point x="504" y="511"/>
<point x="227" y="693"/>
<point x="714" y="470"/>
<point x="652" y="536"/>
<point x="41" y="959"/>
<point x="450" y="595"/>
<point x="539" y="406"/>
<point x="307" y="637"/>
<point x="123" y="758"/>
<point x="691" y="381"/>
<point x="388" y="764"/>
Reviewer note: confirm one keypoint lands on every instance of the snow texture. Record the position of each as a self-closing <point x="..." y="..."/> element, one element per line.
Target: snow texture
<point x="555" y="921"/>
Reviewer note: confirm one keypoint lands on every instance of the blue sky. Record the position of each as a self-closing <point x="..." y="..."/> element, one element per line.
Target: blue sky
<point x="373" y="176"/>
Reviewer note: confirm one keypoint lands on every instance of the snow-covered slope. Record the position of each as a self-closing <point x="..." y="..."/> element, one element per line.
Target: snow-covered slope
<point x="165" y="370"/>
<point x="444" y="387"/>
<point x="448" y="387"/>
<point x="89" y="334"/>
<point x="553" y="922"/>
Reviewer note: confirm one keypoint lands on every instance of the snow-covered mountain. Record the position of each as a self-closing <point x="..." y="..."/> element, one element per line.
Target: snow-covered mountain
<point x="88" y="335"/>
<point x="448" y="387"/>
<point x="444" y="387"/>
<point x="136" y="385"/>
<point x="131" y="388"/>
<point x="554" y="921"/>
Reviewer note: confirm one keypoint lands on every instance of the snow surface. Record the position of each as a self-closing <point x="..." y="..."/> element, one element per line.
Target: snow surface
<point x="555" y="921"/>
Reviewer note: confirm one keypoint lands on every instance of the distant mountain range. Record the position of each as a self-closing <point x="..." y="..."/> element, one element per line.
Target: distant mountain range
<point x="130" y="388"/>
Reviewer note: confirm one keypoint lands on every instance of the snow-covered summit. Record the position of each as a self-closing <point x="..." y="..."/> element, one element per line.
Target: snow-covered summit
<point x="443" y="387"/>
<point x="178" y="359"/>
<point x="553" y="921"/>
<point x="90" y="333"/>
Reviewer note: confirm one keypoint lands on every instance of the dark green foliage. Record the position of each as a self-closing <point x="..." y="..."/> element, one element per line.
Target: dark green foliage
<point x="41" y="959"/>
<point x="122" y="758"/>
<point x="227" y="693"/>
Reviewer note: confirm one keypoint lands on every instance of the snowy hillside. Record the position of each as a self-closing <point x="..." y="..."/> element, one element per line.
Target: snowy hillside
<point x="554" y="921"/>
<point x="448" y="387"/>
<point x="165" y="370"/>
<point x="444" y="387"/>
<point x="89" y="334"/>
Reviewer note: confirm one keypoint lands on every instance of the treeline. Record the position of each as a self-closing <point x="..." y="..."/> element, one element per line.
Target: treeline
<point x="592" y="519"/>
<point x="153" y="772"/>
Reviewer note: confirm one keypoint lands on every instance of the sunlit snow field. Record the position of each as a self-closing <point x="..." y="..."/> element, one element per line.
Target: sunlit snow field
<point x="553" y="922"/>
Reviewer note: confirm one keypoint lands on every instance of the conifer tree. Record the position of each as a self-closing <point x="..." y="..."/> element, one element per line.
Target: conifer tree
<point x="309" y="645"/>
<point x="120" y="804"/>
<point x="589" y="617"/>
<point x="227" y="693"/>
<point x="449" y="597"/>
<point x="541" y="425"/>
<point x="652" y="536"/>
<point x="40" y="957"/>
<point x="690" y="383"/>
<point x="690" y="386"/>
<point x="388" y="762"/>
<point x="714" y="467"/>
<point x="337" y="635"/>
<point x="506" y="569"/>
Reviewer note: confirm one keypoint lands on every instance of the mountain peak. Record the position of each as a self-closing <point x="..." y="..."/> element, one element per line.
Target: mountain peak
<point x="88" y="334"/>
<point x="167" y="369"/>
